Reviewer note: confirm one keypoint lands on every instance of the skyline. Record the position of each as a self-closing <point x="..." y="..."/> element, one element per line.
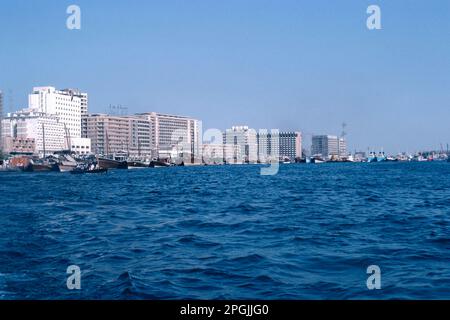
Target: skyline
<point x="263" y="64"/>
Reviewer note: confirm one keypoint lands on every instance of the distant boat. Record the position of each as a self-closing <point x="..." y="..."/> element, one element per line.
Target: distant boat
<point x="300" y="160"/>
<point x="66" y="163"/>
<point x="348" y="158"/>
<point x="381" y="157"/>
<point x="286" y="161"/>
<point x="317" y="159"/>
<point x="39" y="167"/>
<point x="420" y="158"/>
<point x="65" y="167"/>
<point x="391" y="159"/>
<point x="372" y="157"/>
<point x="105" y="163"/>
<point x="136" y="165"/>
<point x="159" y="164"/>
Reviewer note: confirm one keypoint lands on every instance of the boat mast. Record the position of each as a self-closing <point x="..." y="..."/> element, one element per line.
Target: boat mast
<point x="67" y="137"/>
<point x="43" y="138"/>
<point x="107" y="144"/>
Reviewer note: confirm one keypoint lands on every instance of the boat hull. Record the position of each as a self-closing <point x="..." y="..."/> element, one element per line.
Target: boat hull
<point x="39" y="168"/>
<point x="80" y="171"/>
<point x="159" y="164"/>
<point x="136" y="165"/>
<point x="66" y="168"/>
<point x="317" y="161"/>
<point x="112" y="164"/>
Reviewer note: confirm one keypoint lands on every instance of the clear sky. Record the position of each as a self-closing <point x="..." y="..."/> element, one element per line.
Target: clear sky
<point x="287" y="64"/>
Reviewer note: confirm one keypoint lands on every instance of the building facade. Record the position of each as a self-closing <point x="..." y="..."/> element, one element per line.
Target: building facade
<point x="124" y="135"/>
<point x="328" y="146"/>
<point x="275" y="145"/>
<point x="80" y="146"/>
<point x="68" y="104"/>
<point x="268" y="145"/>
<point x="240" y="145"/>
<point x="213" y="153"/>
<point x="25" y="128"/>
<point x="19" y="145"/>
<point x="291" y="145"/>
<point x="178" y="135"/>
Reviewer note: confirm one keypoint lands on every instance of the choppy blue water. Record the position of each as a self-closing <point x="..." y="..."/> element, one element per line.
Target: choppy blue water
<point x="226" y="232"/>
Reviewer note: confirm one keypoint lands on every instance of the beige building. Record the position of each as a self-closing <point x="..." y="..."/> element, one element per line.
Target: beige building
<point x="19" y="145"/>
<point x="176" y="135"/>
<point x="130" y="136"/>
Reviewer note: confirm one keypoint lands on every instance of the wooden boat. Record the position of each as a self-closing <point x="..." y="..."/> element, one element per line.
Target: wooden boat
<point x="159" y="164"/>
<point x="105" y="163"/>
<point x="39" y="167"/>
<point x="66" y="168"/>
<point x="19" y="163"/>
<point x="66" y="163"/>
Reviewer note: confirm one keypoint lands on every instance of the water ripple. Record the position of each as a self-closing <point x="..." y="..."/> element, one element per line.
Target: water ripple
<point x="228" y="233"/>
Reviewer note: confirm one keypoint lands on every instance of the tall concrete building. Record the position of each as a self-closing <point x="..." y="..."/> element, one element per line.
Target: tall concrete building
<point x="275" y="145"/>
<point x="328" y="146"/>
<point x="268" y="145"/>
<point x="68" y="104"/>
<point x="173" y="134"/>
<point x="241" y="145"/>
<point x="129" y="136"/>
<point x="291" y="145"/>
<point x="84" y="112"/>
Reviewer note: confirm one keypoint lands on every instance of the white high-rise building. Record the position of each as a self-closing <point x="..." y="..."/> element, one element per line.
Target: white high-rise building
<point x="68" y="104"/>
<point x="46" y="132"/>
<point x="240" y="145"/>
<point x="179" y="134"/>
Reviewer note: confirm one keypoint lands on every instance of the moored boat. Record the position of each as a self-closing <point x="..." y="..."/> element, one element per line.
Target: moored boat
<point x="112" y="164"/>
<point x="39" y="167"/>
<point x="317" y="159"/>
<point x="159" y="164"/>
<point x="66" y="163"/>
<point x="372" y="157"/>
<point x="137" y="165"/>
<point x="381" y="157"/>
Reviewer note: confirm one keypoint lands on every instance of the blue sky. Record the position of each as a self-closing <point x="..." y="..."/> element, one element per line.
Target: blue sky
<point x="293" y="65"/>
